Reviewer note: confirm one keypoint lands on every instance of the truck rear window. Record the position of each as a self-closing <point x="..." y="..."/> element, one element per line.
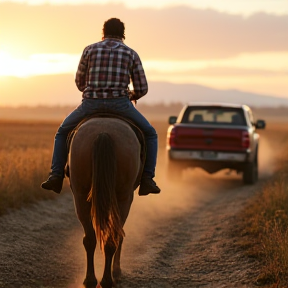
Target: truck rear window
<point x="214" y="115"/>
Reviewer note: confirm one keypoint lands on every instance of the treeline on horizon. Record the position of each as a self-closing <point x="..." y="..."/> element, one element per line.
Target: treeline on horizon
<point x="158" y="110"/>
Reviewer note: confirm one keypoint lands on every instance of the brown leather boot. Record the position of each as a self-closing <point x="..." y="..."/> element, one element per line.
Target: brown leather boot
<point x="54" y="183"/>
<point x="148" y="186"/>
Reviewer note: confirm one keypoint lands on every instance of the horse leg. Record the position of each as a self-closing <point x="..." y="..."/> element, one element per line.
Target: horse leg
<point x="109" y="250"/>
<point x="124" y="207"/>
<point x="89" y="240"/>
<point x="116" y="263"/>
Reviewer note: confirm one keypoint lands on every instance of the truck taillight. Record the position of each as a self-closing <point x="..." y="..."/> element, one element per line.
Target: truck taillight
<point x="171" y="135"/>
<point x="245" y="139"/>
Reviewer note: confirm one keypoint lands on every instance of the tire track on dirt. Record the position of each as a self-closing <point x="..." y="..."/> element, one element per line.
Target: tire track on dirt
<point x="197" y="249"/>
<point x="33" y="245"/>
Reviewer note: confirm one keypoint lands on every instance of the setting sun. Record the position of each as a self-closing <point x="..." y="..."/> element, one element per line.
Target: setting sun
<point x="38" y="64"/>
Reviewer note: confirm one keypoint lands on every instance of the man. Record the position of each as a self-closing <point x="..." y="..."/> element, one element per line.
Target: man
<point x="103" y="75"/>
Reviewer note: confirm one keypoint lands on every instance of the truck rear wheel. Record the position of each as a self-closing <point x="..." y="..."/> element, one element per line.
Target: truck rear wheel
<point x="250" y="173"/>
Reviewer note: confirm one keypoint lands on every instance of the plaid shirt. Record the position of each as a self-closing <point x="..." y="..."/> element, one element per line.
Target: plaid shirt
<point x="105" y="70"/>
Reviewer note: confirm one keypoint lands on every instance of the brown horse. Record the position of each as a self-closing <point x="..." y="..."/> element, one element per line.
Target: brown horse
<point x="104" y="165"/>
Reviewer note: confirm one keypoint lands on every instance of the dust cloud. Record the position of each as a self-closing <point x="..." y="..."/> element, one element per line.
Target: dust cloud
<point x="267" y="157"/>
<point x="195" y="189"/>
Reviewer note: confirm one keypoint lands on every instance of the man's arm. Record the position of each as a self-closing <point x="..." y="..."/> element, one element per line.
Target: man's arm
<point x="80" y="79"/>
<point x="138" y="77"/>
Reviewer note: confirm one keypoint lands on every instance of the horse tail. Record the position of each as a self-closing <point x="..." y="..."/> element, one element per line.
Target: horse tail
<point x="105" y="213"/>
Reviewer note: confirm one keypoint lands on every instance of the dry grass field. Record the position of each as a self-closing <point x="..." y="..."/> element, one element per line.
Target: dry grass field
<point x="25" y="153"/>
<point x="265" y="228"/>
<point x="263" y="224"/>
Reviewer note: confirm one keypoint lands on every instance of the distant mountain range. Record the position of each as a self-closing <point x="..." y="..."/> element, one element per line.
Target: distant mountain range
<point x="161" y="92"/>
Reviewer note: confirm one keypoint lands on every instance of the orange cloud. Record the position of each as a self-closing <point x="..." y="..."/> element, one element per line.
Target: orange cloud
<point x="176" y="33"/>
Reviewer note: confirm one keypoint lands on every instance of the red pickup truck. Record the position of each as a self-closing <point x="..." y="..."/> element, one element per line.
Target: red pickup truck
<point x="214" y="137"/>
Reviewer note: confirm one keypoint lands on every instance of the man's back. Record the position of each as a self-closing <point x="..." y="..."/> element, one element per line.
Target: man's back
<point x="106" y="67"/>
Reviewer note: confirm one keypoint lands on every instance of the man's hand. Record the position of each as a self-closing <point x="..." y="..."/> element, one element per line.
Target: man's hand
<point x="132" y="98"/>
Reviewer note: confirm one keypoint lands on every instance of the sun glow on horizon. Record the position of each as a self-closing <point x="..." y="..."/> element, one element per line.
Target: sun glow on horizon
<point x="47" y="64"/>
<point x="37" y="64"/>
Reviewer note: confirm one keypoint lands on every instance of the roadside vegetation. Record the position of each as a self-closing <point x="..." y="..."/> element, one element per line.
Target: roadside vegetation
<point x="25" y="159"/>
<point x="264" y="223"/>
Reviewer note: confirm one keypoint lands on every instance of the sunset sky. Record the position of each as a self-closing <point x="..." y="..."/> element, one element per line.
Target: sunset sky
<point x="222" y="44"/>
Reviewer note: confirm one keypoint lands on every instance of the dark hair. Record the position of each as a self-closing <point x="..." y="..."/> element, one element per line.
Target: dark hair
<point x="114" y="27"/>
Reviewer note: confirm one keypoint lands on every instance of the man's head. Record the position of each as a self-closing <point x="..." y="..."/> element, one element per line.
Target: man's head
<point x="114" y="27"/>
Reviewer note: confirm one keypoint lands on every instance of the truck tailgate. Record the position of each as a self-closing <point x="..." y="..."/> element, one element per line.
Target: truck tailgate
<point x="209" y="138"/>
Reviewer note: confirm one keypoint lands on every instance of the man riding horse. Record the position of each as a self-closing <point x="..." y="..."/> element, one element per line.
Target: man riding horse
<point x="103" y="75"/>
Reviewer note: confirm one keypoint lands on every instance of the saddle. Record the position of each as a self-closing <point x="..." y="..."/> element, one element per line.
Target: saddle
<point x="139" y="134"/>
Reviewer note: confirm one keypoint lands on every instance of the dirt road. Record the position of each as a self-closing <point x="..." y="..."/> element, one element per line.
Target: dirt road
<point x="179" y="238"/>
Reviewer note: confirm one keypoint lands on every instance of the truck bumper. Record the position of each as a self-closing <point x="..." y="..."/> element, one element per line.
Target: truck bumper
<point x="208" y="155"/>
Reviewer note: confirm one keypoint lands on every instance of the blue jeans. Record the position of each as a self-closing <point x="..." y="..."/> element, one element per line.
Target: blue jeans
<point x="121" y="106"/>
